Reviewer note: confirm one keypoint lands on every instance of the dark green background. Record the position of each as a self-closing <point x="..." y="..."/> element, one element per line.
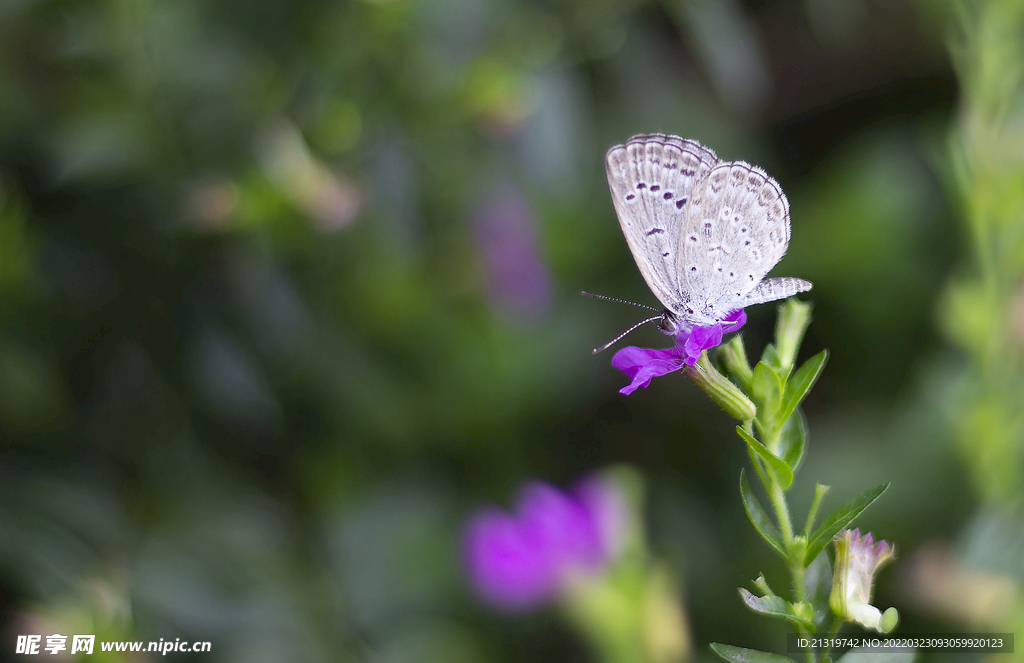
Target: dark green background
<point x="227" y="414"/>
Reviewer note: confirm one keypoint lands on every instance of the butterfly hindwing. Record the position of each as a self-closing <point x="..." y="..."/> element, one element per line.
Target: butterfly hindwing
<point x="736" y="229"/>
<point x="769" y="290"/>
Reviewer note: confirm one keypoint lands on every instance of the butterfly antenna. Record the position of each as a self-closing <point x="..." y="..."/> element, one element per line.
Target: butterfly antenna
<point x="623" y="334"/>
<point x="615" y="299"/>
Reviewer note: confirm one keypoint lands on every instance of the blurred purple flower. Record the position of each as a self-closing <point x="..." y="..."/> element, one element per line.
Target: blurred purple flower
<point x="517" y="562"/>
<point x="517" y="281"/>
<point x="641" y="365"/>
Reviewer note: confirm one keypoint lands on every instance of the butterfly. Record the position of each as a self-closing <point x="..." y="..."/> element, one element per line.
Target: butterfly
<point x="703" y="232"/>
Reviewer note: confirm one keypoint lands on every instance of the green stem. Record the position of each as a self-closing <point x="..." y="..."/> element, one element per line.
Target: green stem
<point x="778" y="499"/>
<point x="808" y="654"/>
<point x="796" y="567"/>
<point x="773" y="440"/>
<point x="832" y="633"/>
<point x="798" y="582"/>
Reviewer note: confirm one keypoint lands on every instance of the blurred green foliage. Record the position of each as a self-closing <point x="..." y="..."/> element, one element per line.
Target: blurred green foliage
<point x="982" y="309"/>
<point x="983" y="306"/>
<point x="256" y="362"/>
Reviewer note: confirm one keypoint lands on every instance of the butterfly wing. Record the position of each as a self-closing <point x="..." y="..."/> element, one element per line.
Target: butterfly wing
<point x="736" y="229"/>
<point x="652" y="179"/>
<point x="768" y="290"/>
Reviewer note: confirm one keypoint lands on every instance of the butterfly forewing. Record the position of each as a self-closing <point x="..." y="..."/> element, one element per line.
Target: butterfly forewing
<point x="736" y="229"/>
<point x="652" y="179"/>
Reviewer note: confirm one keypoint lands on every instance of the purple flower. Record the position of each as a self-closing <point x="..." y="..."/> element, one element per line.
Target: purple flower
<point x="517" y="280"/>
<point x="641" y="364"/>
<point x="517" y="562"/>
<point x="858" y="559"/>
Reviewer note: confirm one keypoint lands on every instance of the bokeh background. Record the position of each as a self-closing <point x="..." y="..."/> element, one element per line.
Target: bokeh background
<point x="288" y="288"/>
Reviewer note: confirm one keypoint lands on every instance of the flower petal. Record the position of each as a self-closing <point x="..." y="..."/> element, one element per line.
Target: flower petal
<point x="504" y="567"/>
<point x="701" y="339"/>
<point x="642" y="364"/>
<point x="608" y="508"/>
<point x="858" y="558"/>
<point x="736" y="319"/>
<point x="561" y="527"/>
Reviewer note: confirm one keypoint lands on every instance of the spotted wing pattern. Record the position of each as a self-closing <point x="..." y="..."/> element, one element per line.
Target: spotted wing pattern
<point x="652" y="179"/>
<point x="736" y="229"/>
<point x="704" y="233"/>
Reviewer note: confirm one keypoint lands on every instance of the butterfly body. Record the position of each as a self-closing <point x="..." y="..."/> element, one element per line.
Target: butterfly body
<point x="704" y="233"/>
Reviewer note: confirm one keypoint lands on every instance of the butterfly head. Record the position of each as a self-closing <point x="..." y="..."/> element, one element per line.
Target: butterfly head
<point x="671" y="324"/>
<point x="689" y="317"/>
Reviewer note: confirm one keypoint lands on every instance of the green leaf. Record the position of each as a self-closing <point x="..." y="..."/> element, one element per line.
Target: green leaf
<point x="801" y="383"/>
<point x="818" y="580"/>
<point x="771" y="357"/>
<point x="839" y="519"/>
<point x="744" y="655"/>
<point x="759" y="519"/>
<point x="766" y="388"/>
<point x="776" y="466"/>
<point x="812" y="513"/>
<point x="792" y="440"/>
<point x="775" y="606"/>
<point x="755" y="460"/>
